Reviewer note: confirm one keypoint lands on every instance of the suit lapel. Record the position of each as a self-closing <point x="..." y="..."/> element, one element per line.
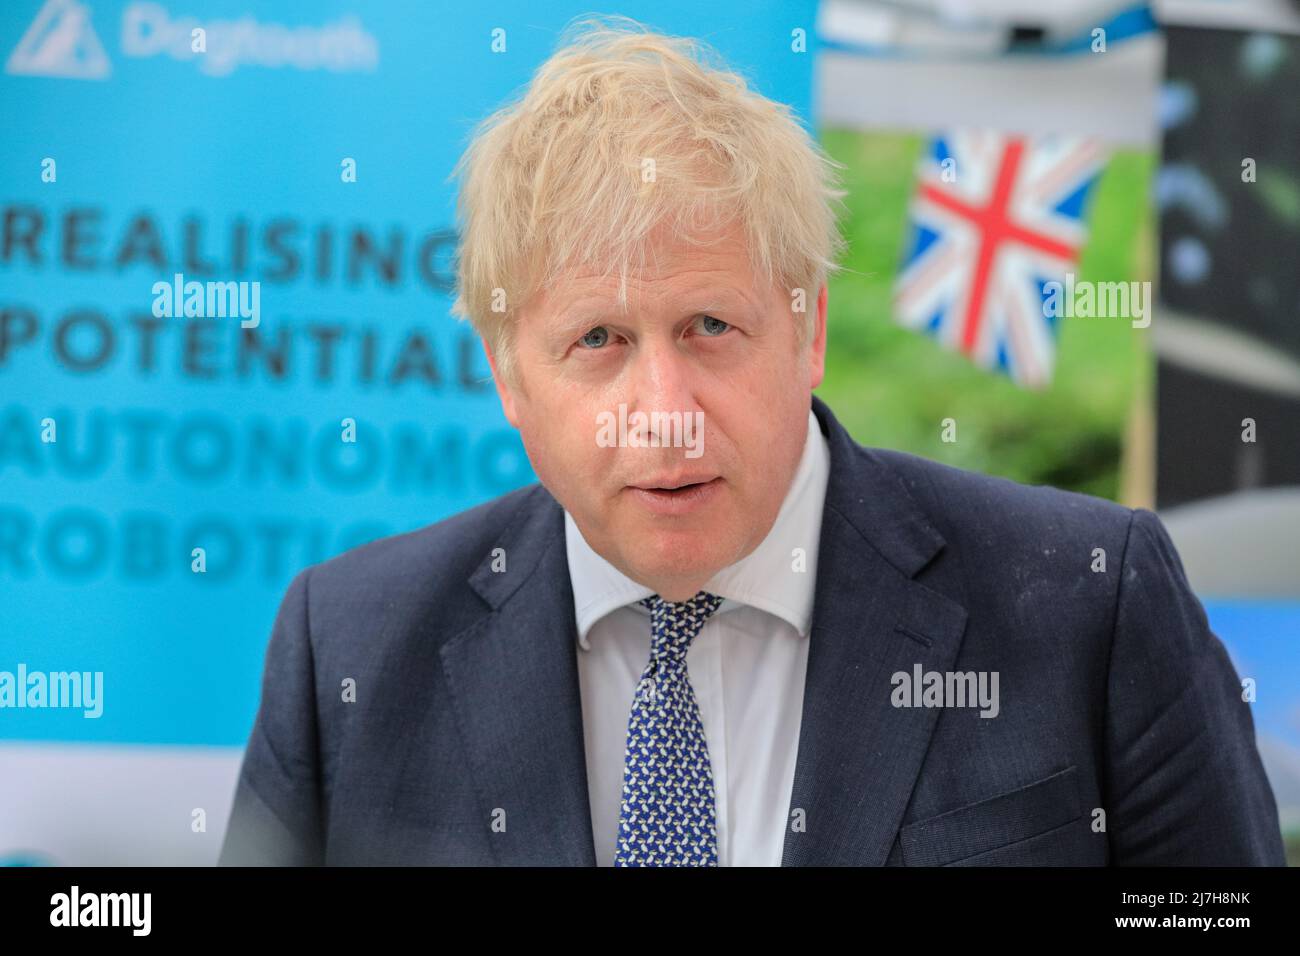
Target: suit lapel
<point x="514" y="685"/>
<point x="858" y="755"/>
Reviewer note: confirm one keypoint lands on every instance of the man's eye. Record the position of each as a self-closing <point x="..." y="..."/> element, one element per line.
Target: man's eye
<point x="595" y="338"/>
<point x="714" y="327"/>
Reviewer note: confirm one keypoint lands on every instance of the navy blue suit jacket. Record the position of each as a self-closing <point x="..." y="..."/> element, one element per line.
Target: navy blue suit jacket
<point x="1121" y="736"/>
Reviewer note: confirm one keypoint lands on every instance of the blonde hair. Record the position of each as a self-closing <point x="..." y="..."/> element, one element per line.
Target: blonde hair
<point x="556" y="179"/>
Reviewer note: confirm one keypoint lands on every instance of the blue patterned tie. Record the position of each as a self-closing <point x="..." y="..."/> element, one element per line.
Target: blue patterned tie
<point x="667" y="816"/>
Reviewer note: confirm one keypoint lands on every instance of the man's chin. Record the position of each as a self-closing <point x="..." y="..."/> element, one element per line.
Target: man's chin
<point x="676" y="556"/>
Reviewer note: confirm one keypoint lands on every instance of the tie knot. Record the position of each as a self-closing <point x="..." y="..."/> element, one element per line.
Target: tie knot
<point x="674" y="624"/>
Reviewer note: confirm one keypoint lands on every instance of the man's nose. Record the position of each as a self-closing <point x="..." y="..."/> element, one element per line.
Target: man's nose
<point x="663" y="379"/>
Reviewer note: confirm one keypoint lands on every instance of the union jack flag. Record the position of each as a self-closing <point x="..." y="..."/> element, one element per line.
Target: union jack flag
<point x="994" y="219"/>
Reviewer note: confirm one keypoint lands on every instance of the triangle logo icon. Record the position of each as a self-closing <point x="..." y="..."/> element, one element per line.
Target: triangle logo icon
<point x="60" y="42"/>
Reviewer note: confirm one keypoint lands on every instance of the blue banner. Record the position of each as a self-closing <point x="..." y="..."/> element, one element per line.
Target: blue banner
<point x="225" y="345"/>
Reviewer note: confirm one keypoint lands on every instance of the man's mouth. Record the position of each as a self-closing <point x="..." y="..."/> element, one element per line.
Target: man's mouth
<point x="675" y="496"/>
<point x="675" y="483"/>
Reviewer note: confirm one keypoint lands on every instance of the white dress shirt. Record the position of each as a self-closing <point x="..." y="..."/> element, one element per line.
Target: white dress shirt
<point x="746" y="666"/>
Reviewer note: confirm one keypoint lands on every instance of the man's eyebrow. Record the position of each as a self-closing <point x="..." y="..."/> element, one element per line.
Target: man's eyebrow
<point x="584" y="315"/>
<point x="720" y="301"/>
<point x="578" y="318"/>
<point x="727" y="298"/>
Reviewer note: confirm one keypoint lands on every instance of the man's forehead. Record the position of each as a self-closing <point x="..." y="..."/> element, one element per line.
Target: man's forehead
<point x="669" y="274"/>
<point x="578" y="300"/>
<point x="669" y="259"/>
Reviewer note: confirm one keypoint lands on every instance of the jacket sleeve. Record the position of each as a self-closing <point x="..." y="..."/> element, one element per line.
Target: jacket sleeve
<point x="276" y="817"/>
<point x="1184" y="783"/>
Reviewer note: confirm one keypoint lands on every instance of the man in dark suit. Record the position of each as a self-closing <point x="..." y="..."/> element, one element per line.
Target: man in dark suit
<point x="718" y="631"/>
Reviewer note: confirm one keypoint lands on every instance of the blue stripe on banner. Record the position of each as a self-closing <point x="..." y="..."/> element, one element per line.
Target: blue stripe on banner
<point x="1261" y="637"/>
<point x="1125" y="25"/>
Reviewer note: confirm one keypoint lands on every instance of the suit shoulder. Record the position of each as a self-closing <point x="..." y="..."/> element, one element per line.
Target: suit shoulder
<point x="964" y="503"/>
<point x="446" y="550"/>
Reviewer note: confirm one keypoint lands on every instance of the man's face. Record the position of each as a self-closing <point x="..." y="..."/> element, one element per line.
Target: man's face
<point x="702" y="337"/>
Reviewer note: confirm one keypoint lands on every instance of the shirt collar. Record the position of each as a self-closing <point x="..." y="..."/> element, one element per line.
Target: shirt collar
<point x="763" y="579"/>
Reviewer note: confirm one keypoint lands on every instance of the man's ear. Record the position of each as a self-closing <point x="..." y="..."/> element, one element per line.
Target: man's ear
<point x="504" y="391"/>
<point x="817" y="351"/>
